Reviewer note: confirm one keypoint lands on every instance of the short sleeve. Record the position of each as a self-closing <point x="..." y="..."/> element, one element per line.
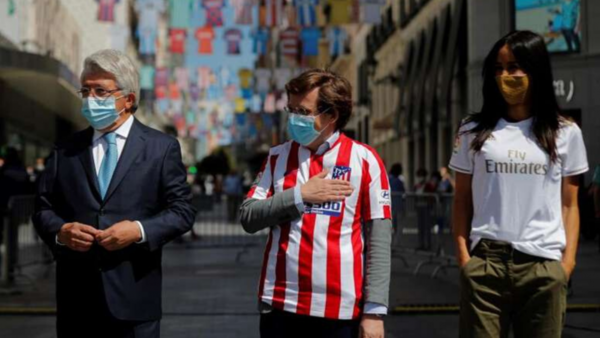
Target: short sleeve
<point x="573" y="156"/>
<point x="375" y="188"/>
<point x="462" y="155"/>
<point x="263" y="182"/>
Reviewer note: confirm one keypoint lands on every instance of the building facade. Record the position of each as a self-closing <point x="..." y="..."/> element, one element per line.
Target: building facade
<point x="418" y="74"/>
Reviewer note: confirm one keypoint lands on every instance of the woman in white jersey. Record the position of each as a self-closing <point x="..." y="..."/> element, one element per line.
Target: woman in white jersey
<point x="516" y="220"/>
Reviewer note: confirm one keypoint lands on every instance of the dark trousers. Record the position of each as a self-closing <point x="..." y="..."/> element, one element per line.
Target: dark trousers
<point x="280" y="324"/>
<point x="113" y="328"/>
<point x="96" y="320"/>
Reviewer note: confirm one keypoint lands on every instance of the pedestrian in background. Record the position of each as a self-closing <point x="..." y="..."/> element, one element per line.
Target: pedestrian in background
<point x="232" y="187"/>
<point x="425" y="206"/>
<point x="516" y="217"/>
<point x="318" y="193"/>
<point x="596" y="193"/>
<point x="14" y="181"/>
<point x="446" y="185"/>
<point x="106" y="223"/>
<point x="397" y="187"/>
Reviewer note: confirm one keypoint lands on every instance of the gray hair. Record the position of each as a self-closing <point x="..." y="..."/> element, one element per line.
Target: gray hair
<point x="119" y="65"/>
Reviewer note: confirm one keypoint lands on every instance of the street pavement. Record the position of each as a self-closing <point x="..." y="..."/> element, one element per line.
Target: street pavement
<point x="210" y="291"/>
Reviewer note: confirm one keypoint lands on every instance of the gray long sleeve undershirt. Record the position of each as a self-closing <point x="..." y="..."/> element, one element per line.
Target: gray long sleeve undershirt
<point x="281" y="208"/>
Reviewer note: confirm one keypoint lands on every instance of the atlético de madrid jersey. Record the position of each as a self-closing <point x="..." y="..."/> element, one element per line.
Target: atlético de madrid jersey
<point x="314" y="265"/>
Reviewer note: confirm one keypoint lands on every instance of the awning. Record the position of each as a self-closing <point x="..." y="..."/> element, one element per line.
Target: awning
<point x="44" y="80"/>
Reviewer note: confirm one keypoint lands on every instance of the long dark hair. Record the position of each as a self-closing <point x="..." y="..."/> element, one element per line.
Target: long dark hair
<point x="530" y="51"/>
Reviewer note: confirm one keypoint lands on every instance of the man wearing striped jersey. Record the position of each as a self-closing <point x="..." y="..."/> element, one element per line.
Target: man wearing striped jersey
<point x="326" y="201"/>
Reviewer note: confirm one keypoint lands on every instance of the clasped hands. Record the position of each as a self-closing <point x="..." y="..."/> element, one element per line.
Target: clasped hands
<point x="80" y="237"/>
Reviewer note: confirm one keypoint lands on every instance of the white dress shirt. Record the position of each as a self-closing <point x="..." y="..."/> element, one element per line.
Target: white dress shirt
<point x="99" y="148"/>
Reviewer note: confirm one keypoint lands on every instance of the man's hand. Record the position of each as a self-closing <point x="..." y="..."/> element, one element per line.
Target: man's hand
<point x="77" y="236"/>
<point x="321" y="190"/>
<point x="371" y="326"/>
<point x="119" y="236"/>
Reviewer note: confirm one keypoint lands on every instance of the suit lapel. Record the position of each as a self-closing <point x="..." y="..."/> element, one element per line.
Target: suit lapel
<point x="134" y="147"/>
<point x="87" y="160"/>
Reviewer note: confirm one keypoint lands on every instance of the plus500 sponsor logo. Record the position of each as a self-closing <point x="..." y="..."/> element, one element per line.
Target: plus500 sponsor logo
<point x="333" y="209"/>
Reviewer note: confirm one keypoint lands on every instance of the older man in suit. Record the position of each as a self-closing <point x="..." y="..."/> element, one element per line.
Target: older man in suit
<point x="110" y="198"/>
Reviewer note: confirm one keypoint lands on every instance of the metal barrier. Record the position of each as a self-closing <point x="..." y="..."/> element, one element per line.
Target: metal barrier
<point x="218" y="225"/>
<point x="422" y="223"/>
<point x="20" y="246"/>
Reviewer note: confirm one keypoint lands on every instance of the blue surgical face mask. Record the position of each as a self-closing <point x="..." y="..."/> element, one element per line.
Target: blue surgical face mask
<point x="100" y="113"/>
<point x="301" y="128"/>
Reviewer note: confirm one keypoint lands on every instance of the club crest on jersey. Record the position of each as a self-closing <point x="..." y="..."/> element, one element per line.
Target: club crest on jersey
<point x="341" y="173"/>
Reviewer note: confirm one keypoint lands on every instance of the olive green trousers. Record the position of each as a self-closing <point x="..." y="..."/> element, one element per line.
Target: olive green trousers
<point x="503" y="288"/>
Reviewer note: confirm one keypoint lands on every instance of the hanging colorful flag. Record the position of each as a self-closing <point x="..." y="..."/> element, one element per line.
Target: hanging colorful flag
<point x="160" y="92"/>
<point x="204" y="77"/>
<point x="271" y="13"/>
<point x="240" y="120"/>
<point x="306" y="9"/>
<point x="270" y="104"/>
<point x="263" y="80"/>
<point x="282" y="77"/>
<point x="289" y="42"/>
<point x="256" y="104"/>
<point x="174" y="93"/>
<point x="12" y="8"/>
<point x="177" y="40"/>
<point x="233" y="36"/>
<point x="205" y="35"/>
<point x="261" y="37"/>
<point x="214" y="13"/>
<point x="162" y="105"/>
<point x="337" y="41"/>
<point x="245" y="76"/>
<point x="310" y="41"/>
<point x="182" y="78"/>
<point x="243" y="11"/>
<point x="162" y="77"/>
<point x="179" y="13"/>
<point x="340" y="11"/>
<point x="106" y="10"/>
<point x="231" y="92"/>
<point x="149" y="12"/>
<point x="224" y="78"/>
<point x="147" y="36"/>
<point x="370" y="11"/>
<point x="147" y="77"/>
<point x="194" y="92"/>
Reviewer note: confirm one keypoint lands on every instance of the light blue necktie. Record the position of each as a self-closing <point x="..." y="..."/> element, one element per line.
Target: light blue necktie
<point x="109" y="163"/>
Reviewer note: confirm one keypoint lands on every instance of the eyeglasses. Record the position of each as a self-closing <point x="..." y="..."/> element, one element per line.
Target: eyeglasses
<point x="302" y="111"/>
<point x="98" y="92"/>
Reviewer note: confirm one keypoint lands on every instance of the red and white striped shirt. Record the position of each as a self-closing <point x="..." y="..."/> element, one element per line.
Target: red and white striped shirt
<point x="314" y="265"/>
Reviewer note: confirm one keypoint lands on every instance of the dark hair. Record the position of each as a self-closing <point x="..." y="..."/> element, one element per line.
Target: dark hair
<point x="335" y="92"/>
<point x="530" y="52"/>
<point x="396" y="169"/>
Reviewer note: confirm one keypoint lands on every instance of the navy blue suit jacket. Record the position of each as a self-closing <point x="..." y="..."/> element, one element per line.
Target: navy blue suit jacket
<point x="148" y="185"/>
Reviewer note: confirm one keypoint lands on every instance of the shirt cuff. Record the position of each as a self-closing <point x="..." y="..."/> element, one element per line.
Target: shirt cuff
<point x="143" y="240"/>
<point x="58" y="242"/>
<point x="298" y="199"/>
<point x="375" y="309"/>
